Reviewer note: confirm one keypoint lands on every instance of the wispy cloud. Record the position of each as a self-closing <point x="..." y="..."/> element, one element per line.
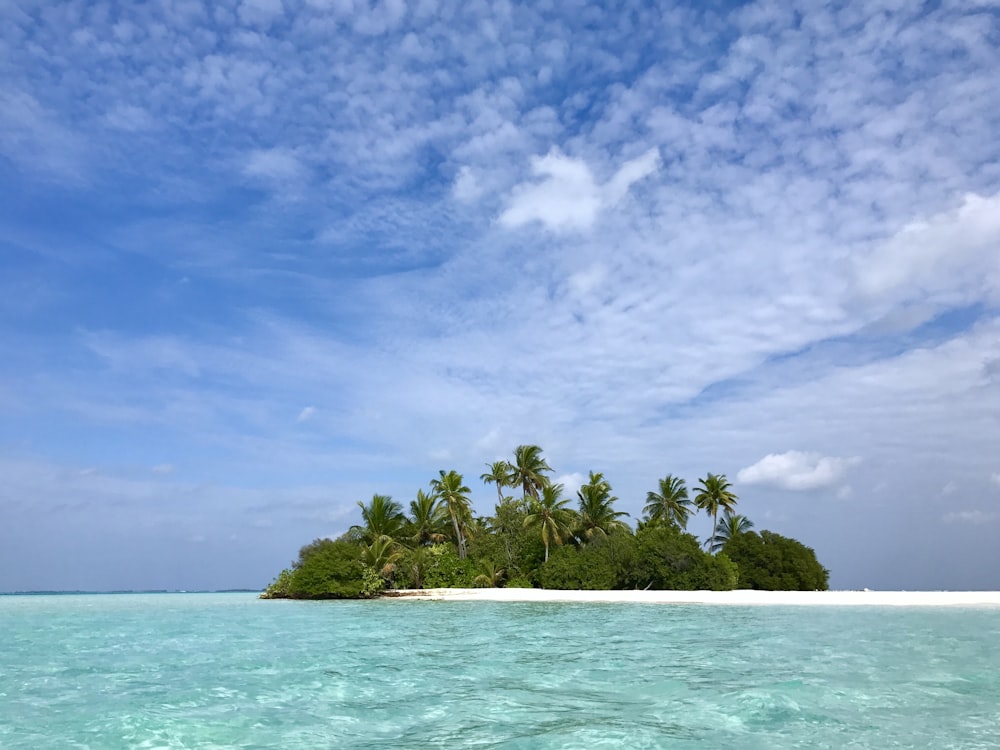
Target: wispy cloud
<point x="976" y="517"/>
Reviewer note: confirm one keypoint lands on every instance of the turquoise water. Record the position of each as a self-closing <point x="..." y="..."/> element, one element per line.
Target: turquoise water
<point x="228" y="670"/>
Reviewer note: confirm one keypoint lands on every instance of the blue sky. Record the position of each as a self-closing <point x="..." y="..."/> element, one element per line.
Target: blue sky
<point x="262" y="259"/>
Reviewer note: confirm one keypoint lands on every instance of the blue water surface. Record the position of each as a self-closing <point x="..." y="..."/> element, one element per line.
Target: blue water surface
<point x="228" y="671"/>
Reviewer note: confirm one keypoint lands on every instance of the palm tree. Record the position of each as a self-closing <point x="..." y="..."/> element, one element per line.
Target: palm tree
<point x="381" y="556"/>
<point x="499" y="474"/>
<point x="732" y="526"/>
<point x="417" y="562"/>
<point x="713" y="493"/>
<point x="454" y="496"/>
<point x="549" y="512"/>
<point x="669" y="505"/>
<point x="383" y="518"/>
<point x="427" y="520"/>
<point x="528" y="470"/>
<point x="597" y="514"/>
<point x="491" y="576"/>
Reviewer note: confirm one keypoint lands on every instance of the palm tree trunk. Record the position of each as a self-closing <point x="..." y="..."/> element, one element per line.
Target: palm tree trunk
<point x="715" y="528"/>
<point x="458" y="537"/>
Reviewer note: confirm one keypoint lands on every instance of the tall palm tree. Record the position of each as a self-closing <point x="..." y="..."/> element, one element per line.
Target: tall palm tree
<point x="714" y="493"/>
<point x="427" y="520"/>
<point x="383" y="518"/>
<point x="669" y="505"/>
<point x="549" y="512"/>
<point x="500" y="475"/>
<point x="732" y="526"/>
<point x="454" y="496"/>
<point x="528" y="470"/>
<point x="597" y="514"/>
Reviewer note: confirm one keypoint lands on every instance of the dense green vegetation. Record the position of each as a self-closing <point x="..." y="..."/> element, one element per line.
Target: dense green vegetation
<point x="539" y="539"/>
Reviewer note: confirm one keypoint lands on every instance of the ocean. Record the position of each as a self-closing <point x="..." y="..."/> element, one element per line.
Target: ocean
<point x="231" y="671"/>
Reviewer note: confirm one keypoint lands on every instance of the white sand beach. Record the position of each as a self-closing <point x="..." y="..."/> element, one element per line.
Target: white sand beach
<point x="742" y="597"/>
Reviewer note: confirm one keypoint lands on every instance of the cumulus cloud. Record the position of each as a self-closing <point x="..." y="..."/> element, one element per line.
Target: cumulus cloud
<point x="306" y="414"/>
<point x="565" y="195"/>
<point x="796" y="470"/>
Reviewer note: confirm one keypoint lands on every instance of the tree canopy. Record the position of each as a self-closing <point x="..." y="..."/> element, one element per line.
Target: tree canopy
<point x="539" y="540"/>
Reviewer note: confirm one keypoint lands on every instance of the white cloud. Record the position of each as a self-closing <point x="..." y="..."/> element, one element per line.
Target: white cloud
<point x="630" y="173"/>
<point x="995" y="478"/>
<point x="33" y="137"/>
<point x="796" y="470"/>
<point x="262" y="12"/>
<point x="949" y="489"/>
<point x="975" y="517"/>
<point x="276" y="165"/>
<point x="708" y="310"/>
<point x="466" y="188"/>
<point x="567" y="197"/>
<point x="958" y="249"/>
<point x="571" y="483"/>
<point x="163" y="469"/>
<point x="306" y="414"/>
<point x="129" y="118"/>
<point x="383" y="16"/>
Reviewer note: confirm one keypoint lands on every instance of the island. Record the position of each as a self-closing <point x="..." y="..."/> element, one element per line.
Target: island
<point x="540" y="541"/>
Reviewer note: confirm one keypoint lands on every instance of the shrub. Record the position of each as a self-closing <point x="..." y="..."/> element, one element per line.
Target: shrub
<point x="667" y="558"/>
<point x="600" y="565"/>
<point x="327" y="570"/>
<point x="445" y="570"/>
<point x="772" y="562"/>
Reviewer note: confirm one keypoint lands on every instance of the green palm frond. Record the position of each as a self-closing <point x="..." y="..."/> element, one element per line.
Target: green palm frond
<point x="381" y="556"/>
<point x="451" y="492"/>
<point x="670" y="504"/>
<point x="528" y="470"/>
<point x="732" y="525"/>
<point x="382" y="518"/>
<point x="714" y="493"/>
<point x="428" y="520"/>
<point x="597" y="515"/>
<point x="550" y="514"/>
<point x="500" y="474"/>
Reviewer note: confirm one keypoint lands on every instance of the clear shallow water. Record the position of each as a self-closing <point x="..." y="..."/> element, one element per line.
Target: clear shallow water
<point x="227" y="670"/>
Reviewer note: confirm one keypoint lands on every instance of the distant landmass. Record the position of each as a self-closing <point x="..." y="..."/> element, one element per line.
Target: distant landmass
<point x="131" y="591"/>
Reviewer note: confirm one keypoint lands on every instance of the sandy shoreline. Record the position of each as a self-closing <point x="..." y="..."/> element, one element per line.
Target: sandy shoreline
<point x="744" y="597"/>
